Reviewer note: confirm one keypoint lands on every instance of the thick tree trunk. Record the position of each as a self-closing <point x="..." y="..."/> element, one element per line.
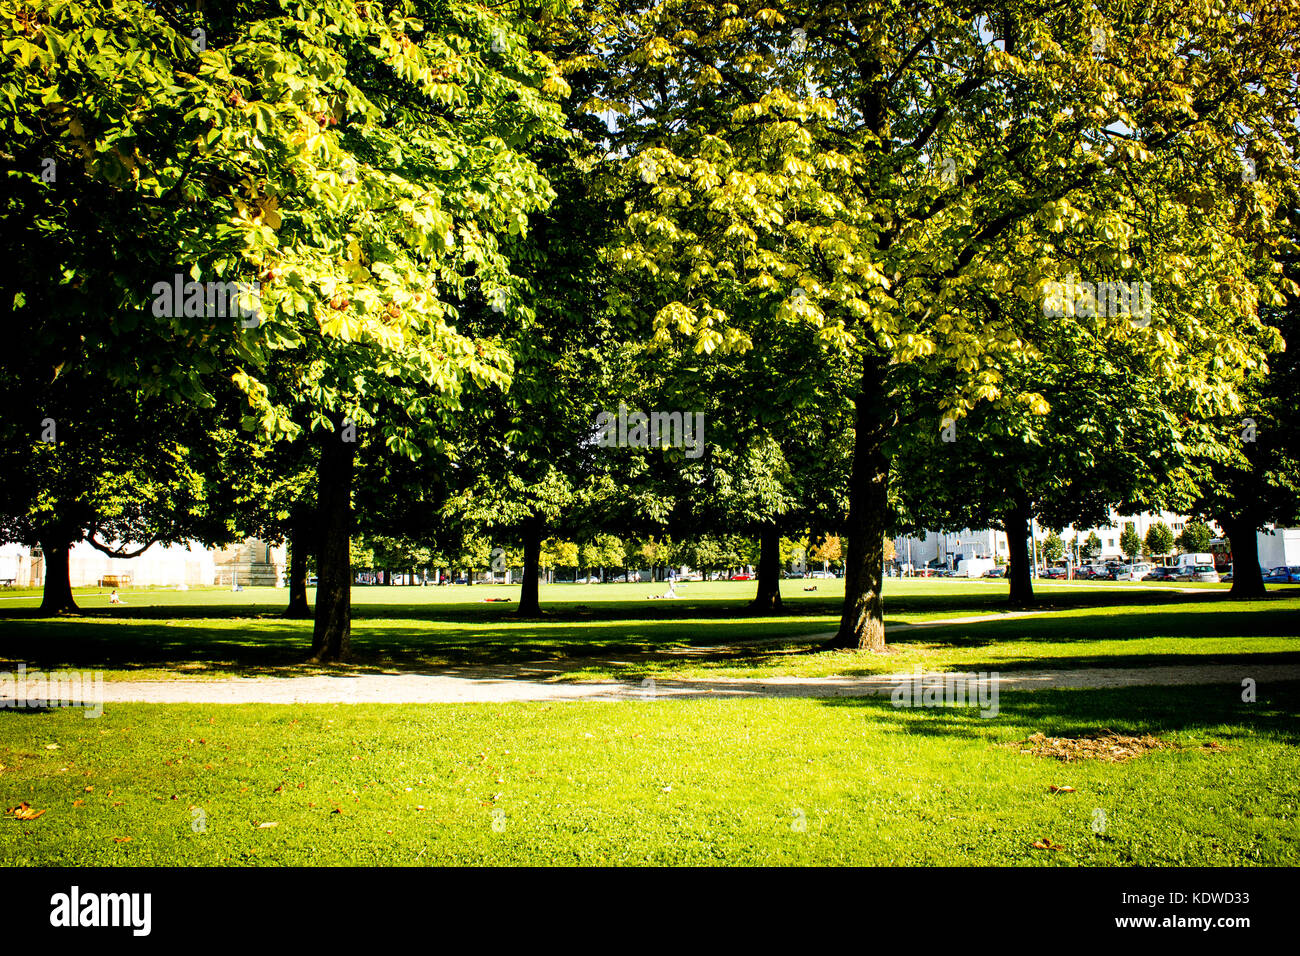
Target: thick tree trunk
<point x="57" y="596"/>
<point x="299" y="551"/>
<point x="331" y="640"/>
<point x="1017" y="527"/>
<point x="1247" y="579"/>
<point x="768" y="598"/>
<point x="528" y="603"/>
<point x="862" y="621"/>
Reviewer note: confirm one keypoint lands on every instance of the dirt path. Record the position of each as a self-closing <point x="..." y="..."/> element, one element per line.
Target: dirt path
<point x="443" y="688"/>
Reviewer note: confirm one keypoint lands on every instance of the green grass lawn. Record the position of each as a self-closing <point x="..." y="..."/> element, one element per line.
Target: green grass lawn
<point x="612" y="631"/>
<point x="663" y="782"/>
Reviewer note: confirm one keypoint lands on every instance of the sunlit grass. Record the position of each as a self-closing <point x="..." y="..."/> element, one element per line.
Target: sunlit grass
<point x="666" y="782"/>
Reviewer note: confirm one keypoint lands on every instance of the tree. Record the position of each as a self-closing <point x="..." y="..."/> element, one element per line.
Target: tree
<point x="1130" y="542"/>
<point x="1052" y="547"/>
<point x="1091" y="547"/>
<point x="1195" y="538"/>
<point x="1159" y="540"/>
<point x="827" y="550"/>
<point x="86" y="463"/>
<point x="354" y="172"/>
<point x="1258" y="482"/>
<point x="881" y="164"/>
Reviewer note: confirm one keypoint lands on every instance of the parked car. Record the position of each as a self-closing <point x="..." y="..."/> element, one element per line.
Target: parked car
<point x="820" y="574"/>
<point x="1161" y="573"/>
<point x="1132" y="572"/>
<point x="794" y="574"/>
<point x="1055" y="574"/>
<point x="1276" y="576"/>
<point x="995" y="573"/>
<point x="742" y="576"/>
<point x="1199" y="573"/>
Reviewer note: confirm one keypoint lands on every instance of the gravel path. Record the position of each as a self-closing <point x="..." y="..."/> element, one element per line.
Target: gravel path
<point x="442" y="688"/>
<point x="538" y="681"/>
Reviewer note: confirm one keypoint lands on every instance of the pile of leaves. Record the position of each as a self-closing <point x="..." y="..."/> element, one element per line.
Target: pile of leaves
<point x="1103" y="745"/>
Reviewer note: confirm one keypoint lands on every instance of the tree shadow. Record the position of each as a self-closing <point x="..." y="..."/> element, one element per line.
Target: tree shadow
<point x="396" y="637"/>
<point x="1213" y="710"/>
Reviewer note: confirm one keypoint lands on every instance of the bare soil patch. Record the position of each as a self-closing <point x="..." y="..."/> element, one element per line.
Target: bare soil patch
<point x="1105" y="745"/>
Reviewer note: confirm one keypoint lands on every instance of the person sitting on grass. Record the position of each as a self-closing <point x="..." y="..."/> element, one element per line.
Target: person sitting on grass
<point x="669" y="594"/>
<point x="114" y="599"/>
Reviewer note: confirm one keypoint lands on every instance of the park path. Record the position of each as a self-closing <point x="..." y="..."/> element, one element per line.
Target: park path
<point x="453" y="689"/>
<point x="543" y="680"/>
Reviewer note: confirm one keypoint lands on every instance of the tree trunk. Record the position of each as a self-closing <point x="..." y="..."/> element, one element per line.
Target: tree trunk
<point x="768" y="598"/>
<point x="331" y="640"/>
<point x="528" y="603"/>
<point x="1247" y="579"/>
<point x="1017" y="528"/>
<point x="299" y="551"/>
<point x="862" y="621"/>
<point x="57" y="596"/>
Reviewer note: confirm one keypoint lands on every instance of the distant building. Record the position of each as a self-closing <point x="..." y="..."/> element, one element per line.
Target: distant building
<point x="1279" y="547"/>
<point x="945" y="549"/>
<point x="252" y="563"/>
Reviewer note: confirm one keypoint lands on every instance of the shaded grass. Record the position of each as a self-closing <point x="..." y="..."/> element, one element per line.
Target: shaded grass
<point x="598" y="632"/>
<point x="666" y="782"/>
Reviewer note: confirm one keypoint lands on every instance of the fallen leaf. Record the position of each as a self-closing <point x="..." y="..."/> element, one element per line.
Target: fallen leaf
<point x="78" y="803"/>
<point x="51" y="746"/>
<point x="24" y="812"/>
<point x="121" y="839"/>
<point x="1055" y="789"/>
<point x="263" y="826"/>
<point x="1047" y="844"/>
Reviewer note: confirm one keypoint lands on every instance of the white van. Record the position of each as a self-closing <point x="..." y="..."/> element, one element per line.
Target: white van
<point x="1187" y="561"/>
<point x="973" y="567"/>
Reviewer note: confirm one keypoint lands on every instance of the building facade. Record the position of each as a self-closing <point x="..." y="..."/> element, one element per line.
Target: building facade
<point x="250" y="563"/>
<point x="946" y="549"/>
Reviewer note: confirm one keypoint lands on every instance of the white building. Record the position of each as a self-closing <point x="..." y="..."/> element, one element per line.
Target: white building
<point x="946" y="549"/>
<point x="175" y="565"/>
<point x="1279" y="547"/>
